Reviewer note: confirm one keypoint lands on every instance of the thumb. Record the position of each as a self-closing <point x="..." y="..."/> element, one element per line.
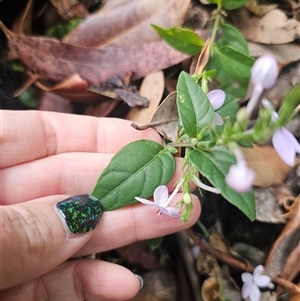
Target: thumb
<point x="38" y="235"/>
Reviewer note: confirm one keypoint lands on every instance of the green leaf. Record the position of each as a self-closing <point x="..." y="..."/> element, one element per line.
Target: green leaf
<point x="214" y="166"/>
<point x="154" y="243"/>
<point x="234" y="62"/>
<point x="231" y="37"/>
<point x="230" y="84"/>
<point x="229" y="108"/>
<point x="194" y="108"/>
<point x="181" y="39"/>
<point x="136" y="170"/>
<point x="233" y="4"/>
<point x="290" y="101"/>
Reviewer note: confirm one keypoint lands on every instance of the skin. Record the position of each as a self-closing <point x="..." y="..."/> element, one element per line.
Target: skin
<point x="45" y="158"/>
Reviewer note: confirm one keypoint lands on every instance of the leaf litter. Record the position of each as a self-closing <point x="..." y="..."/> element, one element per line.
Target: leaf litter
<point x="117" y="44"/>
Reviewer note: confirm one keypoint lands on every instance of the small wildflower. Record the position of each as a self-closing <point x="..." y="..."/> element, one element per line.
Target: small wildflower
<point x="264" y="73"/>
<point x="284" y="142"/>
<point x="197" y="181"/>
<point x="216" y="98"/>
<point x="252" y="283"/>
<point x="162" y="200"/>
<point x="240" y="177"/>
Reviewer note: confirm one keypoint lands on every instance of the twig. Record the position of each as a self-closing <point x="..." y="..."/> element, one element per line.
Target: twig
<point x="152" y="124"/>
<point x="226" y="258"/>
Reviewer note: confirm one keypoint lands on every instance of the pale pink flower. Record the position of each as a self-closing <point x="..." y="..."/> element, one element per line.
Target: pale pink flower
<point x="217" y="98"/>
<point x="240" y="177"/>
<point x="264" y="73"/>
<point x="284" y="142"/>
<point x="162" y="200"/>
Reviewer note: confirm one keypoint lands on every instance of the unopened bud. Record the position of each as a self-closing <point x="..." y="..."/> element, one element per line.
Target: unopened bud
<point x="264" y="71"/>
<point x="187" y="199"/>
<point x="240" y="178"/>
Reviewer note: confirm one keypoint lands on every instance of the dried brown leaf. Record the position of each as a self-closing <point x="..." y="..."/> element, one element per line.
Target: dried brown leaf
<point x="56" y="103"/>
<point x="259" y="10"/>
<point x="52" y="59"/>
<point x="286" y="242"/>
<point x="73" y="88"/>
<point x="292" y="265"/>
<point x="268" y="167"/>
<point x="267" y="206"/>
<point x="101" y="109"/>
<point x="210" y="290"/>
<point x="151" y="88"/>
<point x="70" y="8"/>
<point x="167" y="111"/>
<point x="128" y="24"/>
<point x="272" y="28"/>
<point x="285" y="54"/>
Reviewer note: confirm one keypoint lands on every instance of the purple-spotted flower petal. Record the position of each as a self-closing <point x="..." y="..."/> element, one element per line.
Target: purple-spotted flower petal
<point x="217" y="98"/>
<point x="162" y="200"/>
<point x="250" y="289"/>
<point x="240" y="177"/>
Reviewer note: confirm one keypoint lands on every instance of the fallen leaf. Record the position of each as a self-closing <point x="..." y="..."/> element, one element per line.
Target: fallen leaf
<point x="285" y="54"/>
<point x="286" y="242"/>
<point x="292" y="266"/>
<point x="267" y="206"/>
<point x="128" y="24"/>
<point x="273" y="28"/>
<point x="268" y="167"/>
<point x="70" y="8"/>
<point x="210" y="290"/>
<point x="259" y="10"/>
<point x="56" y="103"/>
<point x="158" y="285"/>
<point x="52" y="59"/>
<point x="152" y="88"/>
<point x="167" y="111"/>
<point x="102" y="108"/>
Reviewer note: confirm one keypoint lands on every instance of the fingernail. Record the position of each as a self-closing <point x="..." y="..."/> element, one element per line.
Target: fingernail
<point x="141" y="280"/>
<point x="82" y="213"/>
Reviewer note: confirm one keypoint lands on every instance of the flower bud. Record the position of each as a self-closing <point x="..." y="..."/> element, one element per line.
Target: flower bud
<point x="264" y="71"/>
<point x="187" y="199"/>
<point x="240" y="178"/>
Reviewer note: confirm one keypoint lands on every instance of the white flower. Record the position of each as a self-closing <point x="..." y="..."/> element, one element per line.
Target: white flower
<point x="284" y="142"/>
<point x="252" y="283"/>
<point x="162" y="200"/>
<point x="197" y="181"/>
<point x="286" y="145"/>
<point x="264" y="73"/>
<point x="216" y="98"/>
<point x="240" y="177"/>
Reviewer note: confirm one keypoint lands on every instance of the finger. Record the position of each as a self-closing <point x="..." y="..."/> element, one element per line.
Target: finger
<point x="78" y="280"/>
<point x="133" y="223"/>
<point x="37" y="236"/>
<point x="68" y="173"/>
<point x="30" y="135"/>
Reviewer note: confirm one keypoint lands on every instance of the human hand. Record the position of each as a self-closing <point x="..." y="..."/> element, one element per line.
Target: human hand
<point x="46" y="158"/>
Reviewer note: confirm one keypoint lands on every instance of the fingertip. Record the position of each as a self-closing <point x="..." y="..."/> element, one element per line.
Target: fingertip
<point x="100" y="279"/>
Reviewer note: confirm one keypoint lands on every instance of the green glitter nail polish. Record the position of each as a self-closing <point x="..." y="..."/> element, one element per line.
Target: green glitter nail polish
<point x="82" y="213"/>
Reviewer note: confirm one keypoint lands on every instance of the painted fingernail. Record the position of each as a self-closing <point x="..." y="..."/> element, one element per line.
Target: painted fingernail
<point x="141" y="280"/>
<point x="82" y="213"/>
